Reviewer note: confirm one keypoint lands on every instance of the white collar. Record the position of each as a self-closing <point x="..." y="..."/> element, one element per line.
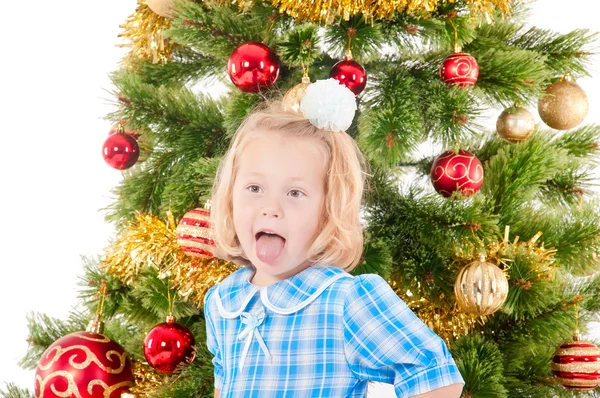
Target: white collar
<point x="284" y="297"/>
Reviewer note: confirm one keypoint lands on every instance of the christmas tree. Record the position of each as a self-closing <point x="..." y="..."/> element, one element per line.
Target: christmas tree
<point x="492" y="242"/>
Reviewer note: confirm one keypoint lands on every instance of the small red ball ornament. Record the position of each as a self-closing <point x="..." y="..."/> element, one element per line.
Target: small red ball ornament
<point x="84" y="364"/>
<point x="169" y="344"/>
<point x="459" y="69"/>
<point x="460" y="171"/>
<point x="194" y="234"/>
<point x="253" y="66"/>
<point x="120" y="151"/>
<point x="576" y="365"/>
<point x="351" y="74"/>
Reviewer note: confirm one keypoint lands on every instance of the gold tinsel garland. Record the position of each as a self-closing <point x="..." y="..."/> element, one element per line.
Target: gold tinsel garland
<point x="325" y="11"/>
<point x="444" y="316"/>
<point x="144" y="30"/>
<point x="149" y="242"/>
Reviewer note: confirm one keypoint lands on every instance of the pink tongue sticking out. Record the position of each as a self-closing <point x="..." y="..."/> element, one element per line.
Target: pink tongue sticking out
<point x="269" y="247"/>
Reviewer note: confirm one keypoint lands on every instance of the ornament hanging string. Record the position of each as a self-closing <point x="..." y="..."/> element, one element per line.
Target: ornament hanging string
<point x="102" y="294"/>
<point x="272" y="18"/>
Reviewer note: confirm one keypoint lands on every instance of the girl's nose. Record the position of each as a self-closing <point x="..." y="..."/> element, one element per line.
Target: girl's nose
<point x="271" y="213"/>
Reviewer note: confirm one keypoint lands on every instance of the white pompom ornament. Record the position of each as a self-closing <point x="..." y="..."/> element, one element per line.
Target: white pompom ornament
<point x="329" y="105"/>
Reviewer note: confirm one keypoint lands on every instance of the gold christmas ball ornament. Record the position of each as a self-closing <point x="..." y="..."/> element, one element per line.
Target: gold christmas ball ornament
<point x="515" y="124"/>
<point x="161" y="7"/>
<point x="294" y="96"/>
<point x="481" y="288"/>
<point x="564" y="105"/>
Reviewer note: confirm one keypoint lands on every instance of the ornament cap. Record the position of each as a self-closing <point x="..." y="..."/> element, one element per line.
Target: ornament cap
<point x="348" y="55"/>
<point x="482" y="258"/>
<point x="95" y="326"/>
<point x="170" y="319"/>
<point x="577" y="336"/>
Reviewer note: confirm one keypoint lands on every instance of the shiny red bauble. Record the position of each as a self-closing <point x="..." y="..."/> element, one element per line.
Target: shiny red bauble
<point x="168" y="345"/>
<point x="84" y="364"/>
<point x="351" y="74"/>
<point x="120" y="151"/>
<point x="460" y="171"/>
<point x="195" y="234"/>
<point x="459" y="69"/>
<point x="253" y="66"/>
<point x="576" y="365"/>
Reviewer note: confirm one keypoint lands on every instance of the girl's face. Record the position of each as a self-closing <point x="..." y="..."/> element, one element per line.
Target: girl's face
<point x="280" y="186"/>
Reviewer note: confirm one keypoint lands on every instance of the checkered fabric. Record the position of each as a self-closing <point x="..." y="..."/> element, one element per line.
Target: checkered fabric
<point x="319" y="333"/>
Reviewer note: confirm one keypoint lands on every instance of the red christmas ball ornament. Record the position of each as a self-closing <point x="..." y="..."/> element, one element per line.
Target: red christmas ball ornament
<point x="121" y="127"/>
<point x="169" y="344"/>
<point x="460" y="171"/>
<point x="351" y="74"/>
<point x="194" y="234"/>
<point x="253" y="66"/>
<point x="84" y="364"/>
<point x="459" y="69"/>
<point x="120" y="151"/>
<point x="576" y="365"/>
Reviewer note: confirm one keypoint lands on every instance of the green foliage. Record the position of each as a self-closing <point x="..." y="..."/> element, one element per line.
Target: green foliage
<point x="480" y="364"/>
<point x="13" y="391"/>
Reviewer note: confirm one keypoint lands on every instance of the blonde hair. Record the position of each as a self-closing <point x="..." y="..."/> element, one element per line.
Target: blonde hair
<point x="339" y="240"/>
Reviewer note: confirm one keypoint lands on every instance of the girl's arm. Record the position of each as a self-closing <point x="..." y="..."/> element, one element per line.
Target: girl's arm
<point x="217" y="393"/>
<point x="451" y="391"/>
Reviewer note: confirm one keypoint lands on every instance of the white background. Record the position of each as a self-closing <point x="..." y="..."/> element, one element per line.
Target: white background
<point x="55" y="61"/>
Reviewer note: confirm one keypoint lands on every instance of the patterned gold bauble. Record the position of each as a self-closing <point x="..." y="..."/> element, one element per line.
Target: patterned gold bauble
<point x="564" y="105"/>
<point x="515" y="124"/>
<point x="481" y="288"/>
<point x="294" y="96"/>
<point x="576" y="365"/>
<point x="161" y="7"/>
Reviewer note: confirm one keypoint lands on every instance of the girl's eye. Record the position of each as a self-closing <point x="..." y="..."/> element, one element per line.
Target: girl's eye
<point x="251" y="188"/>
<point x="297" y="193"/>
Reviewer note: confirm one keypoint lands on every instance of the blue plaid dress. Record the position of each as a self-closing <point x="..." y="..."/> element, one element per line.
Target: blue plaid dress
<point x="319" y="333"/>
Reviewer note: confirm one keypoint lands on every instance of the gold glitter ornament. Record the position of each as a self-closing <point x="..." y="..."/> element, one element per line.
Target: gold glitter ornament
<point x="326" y="11"/>
<point x="195" y="233"/>
<point x="144" y="30"/>
<point x="294" y="96"/>
<point x="481" y="288"/>
<point x="576" y="364"/>
<point x="564" y="104"/>
<point x="515" y="124"/>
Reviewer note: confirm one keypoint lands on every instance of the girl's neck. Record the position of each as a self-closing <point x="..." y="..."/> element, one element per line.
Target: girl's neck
<point x="261" y="279"/>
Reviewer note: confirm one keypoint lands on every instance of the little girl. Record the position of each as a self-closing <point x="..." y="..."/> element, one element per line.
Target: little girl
<point x="293" y="322"/>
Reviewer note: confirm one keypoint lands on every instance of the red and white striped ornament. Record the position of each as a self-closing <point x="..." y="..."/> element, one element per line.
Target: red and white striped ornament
<point x="576" y="365"/>
<point x="194" y="233"/>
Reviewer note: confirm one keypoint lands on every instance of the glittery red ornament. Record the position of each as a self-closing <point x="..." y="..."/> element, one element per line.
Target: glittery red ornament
<point x="459" y="69"/>
<point x="120" y="151"/>
<point x="351" y="74"/>
<point x="169" y="344"/>
<point x="456" y="171"/>
<point x="86" y="365"/>
<point x="194" y="234"/>
<point x="576" y="365"/>
<point x="253" y="66"/>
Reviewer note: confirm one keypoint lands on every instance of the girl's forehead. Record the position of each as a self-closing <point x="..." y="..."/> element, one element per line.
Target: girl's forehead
<point x="277" y="156"/>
